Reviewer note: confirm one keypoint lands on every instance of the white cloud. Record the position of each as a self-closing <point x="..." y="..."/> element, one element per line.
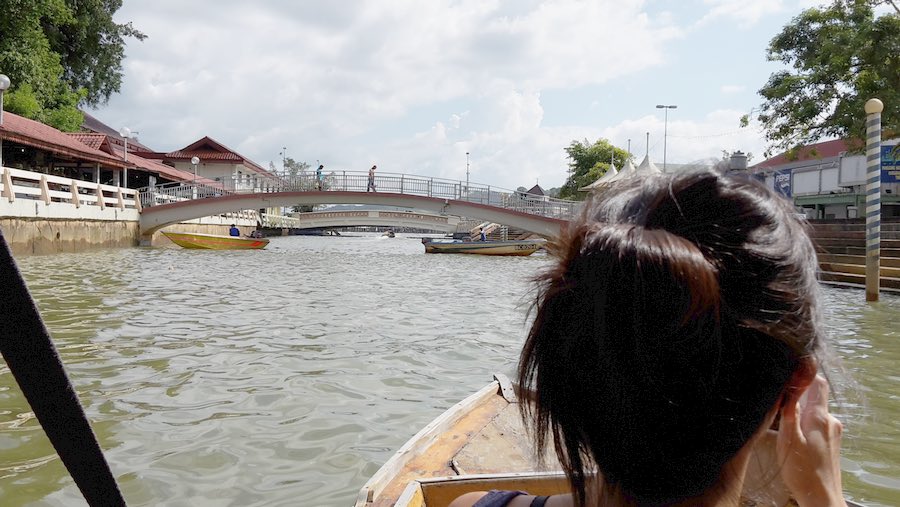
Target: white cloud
<point x="744" y="13"/>
<point x="350" y="81"/>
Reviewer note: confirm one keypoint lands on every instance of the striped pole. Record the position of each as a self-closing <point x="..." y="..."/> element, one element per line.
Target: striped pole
<point x="873" y="197"/>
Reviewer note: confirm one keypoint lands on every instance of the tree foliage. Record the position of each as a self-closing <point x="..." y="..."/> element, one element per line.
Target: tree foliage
<point x="587" y="162"/>
<point x="294" y="167"/>
<point x="839" y="56"/>
<point x="60" y="54"/>
<point x="92" y="47"/>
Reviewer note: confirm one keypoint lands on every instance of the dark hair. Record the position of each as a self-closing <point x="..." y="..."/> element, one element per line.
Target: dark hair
<point x="678" y="310"/>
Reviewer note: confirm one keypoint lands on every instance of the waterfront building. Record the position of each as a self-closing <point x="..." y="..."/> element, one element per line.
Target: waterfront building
<point x="217" y="162"/>
<point x="827" y="180"/>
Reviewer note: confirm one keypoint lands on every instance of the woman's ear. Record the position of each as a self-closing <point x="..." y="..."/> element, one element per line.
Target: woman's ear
<point x="801" y="379"/>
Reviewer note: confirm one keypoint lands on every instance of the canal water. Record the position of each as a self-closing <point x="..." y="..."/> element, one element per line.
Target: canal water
<point x="288" y="376"/>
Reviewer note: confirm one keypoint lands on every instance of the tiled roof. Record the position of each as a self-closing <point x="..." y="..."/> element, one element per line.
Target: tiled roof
<point x="21" y="130"/>
<point x="95" y="141"/>
<point x="536" y="190"/>
<point x="827" y="149"/>
<point x="156" y="167"/>
<point x="204" y="155"/>
<point x="207" y="148"/>
<point x="92" y="124"/>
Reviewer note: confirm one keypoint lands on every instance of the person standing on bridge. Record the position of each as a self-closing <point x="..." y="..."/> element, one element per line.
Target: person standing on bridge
<point x="371" y="185"/>
<point x="319" y="176"/>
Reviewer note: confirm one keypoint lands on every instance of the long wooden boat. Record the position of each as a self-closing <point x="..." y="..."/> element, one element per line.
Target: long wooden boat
<point x="512" y="247"/>
<point x="215" y="242"/>
<point x="480" y="444"/>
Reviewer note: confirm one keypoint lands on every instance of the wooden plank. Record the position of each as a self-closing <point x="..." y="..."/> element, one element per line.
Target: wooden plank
<point x="428" y="454"/>
<point x="412" y="496"/>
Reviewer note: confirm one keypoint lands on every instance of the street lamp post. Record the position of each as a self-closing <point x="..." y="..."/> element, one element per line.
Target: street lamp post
<point x="194" y="162"/>
<point x="665" y="130"/>
<point x="4" y="85"/>
<point x="125" y="132"/>
<point x="467" y="175"/>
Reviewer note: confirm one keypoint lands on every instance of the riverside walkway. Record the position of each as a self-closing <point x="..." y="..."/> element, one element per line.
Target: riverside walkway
<point x="163" y="205"/>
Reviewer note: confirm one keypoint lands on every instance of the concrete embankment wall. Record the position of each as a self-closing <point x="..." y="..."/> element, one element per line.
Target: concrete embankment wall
<point x="31" y="236"/>
<point x="28" y="236"/>
<point x="45" y="214"/>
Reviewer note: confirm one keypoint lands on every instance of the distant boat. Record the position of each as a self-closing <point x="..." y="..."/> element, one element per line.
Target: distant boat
<point x="512" y="247"/>
<point x="389" y="234"/>
<point x="215" y="242"/>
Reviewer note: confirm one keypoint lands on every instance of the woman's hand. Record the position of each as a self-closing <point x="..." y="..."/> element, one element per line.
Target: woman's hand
<point x="809" y="448"/>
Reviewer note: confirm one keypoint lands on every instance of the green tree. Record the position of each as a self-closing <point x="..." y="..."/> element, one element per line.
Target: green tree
<point x="91" y="47"/>
<point x="839" y="56"/>
<point x="60" y="54"/>
<point x="587" y="162"/>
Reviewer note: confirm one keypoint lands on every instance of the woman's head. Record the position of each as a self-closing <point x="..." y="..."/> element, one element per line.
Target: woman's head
<point x="678" y="311"/>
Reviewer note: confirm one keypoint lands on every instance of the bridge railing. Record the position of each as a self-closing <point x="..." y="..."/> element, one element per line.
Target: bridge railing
<point x="358" y="181"/>
<point x="174" y="192"/>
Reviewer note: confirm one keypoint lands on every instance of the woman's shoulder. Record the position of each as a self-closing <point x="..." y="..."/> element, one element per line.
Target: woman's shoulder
<point x="499" y="498"/>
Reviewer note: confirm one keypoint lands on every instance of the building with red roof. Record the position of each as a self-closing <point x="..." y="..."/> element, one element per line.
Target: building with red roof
<point x="217" y="162"/>
<point x="87" y="156"/>
<point x="32" y="145"/>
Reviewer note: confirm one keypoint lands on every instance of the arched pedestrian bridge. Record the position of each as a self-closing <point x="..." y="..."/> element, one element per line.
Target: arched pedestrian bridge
<point x="173" y="203"/>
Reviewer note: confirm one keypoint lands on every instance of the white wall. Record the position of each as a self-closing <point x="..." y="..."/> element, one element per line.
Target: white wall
<point x="806" y="183"/>
<point x="830" y="181"/>
<point x="853" y="170"/>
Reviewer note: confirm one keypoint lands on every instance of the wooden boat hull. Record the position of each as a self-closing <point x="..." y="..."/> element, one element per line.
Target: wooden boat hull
<point x="519" y="247"/>
<point x="480" y="444"/>
<point x="215" y="242"/>
<point x="479" y="435"/>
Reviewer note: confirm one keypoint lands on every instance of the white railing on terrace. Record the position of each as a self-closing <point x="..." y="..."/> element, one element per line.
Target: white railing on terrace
<point x="18" y="184"/>
<point x="358" y="181"/>
<point x="269" y="220"/>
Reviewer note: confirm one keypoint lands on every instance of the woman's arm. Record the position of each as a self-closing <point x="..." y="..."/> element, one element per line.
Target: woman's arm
<point x="809" y="446"/>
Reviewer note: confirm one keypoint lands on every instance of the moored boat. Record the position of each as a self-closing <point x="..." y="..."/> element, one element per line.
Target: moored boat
<point x="480" y="444"/>
<point x="215" y="242"/>
<point x="512" y="247"/>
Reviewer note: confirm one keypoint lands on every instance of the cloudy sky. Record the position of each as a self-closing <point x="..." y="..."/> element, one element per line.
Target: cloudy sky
<point x="412" y="85"/>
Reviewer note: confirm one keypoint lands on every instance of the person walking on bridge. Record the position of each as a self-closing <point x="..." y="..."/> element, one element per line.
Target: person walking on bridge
<point x="371" y="185"/>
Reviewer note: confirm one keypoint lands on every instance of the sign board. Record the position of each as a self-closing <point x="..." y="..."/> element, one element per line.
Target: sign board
<point x="782" y="180"/>
<point x="890" y="164"/>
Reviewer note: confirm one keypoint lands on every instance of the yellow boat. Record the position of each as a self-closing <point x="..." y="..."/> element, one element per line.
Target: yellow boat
<point x="480" y="444"/>
<point x="215" y="242"/>
<point x="512" y="247"/>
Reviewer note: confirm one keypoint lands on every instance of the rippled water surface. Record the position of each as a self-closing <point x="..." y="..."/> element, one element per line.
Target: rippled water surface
<point x="287" y="376"/>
